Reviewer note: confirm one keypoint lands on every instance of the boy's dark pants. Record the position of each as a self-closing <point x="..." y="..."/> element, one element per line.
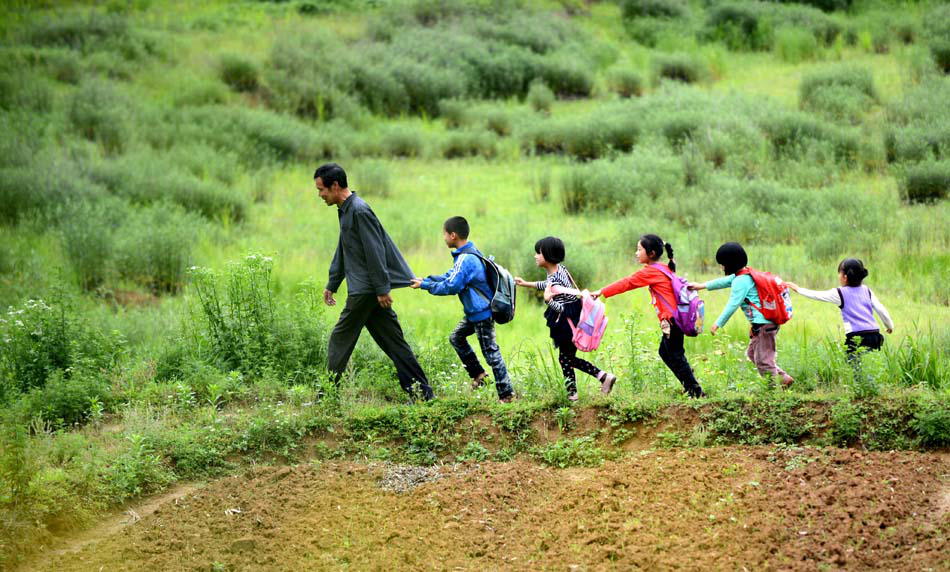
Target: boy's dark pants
<point x="485" y="330"/>
<point x="364" y="310"/>
<point x="674" y="356"/>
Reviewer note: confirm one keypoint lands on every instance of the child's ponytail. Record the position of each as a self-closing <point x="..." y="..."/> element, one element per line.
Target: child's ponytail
<point x="853" y="270"/>
<point x="669" y="254"/>
<point x="654" y="245"/>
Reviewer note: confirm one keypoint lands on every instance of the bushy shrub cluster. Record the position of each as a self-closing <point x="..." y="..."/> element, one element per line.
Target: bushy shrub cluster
<point x="620" y="185"/>
<point x="414" y="66"/>
<point x="100" y="113"/>
<point x="684" y="68"/>
<point x="796" y="134"/>
<point x="926" y="181"/>
<point x="584" y="137"/>
<point x="43" y="337"/>
<point x="841" y="92"/>
<point x="469" y="143"/>
<point x="625" y="82"/>
<point x="238" y="72"/>
<point x="751" y="25"/>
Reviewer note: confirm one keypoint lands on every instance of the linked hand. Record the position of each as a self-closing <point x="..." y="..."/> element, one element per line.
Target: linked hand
<point x="385" y="301"/>
<point x="792" y="285"/>
<point x="696" y="286"/>
<point x="595" y="294"/>
<point x="415" y="283"/>
<point x="519" y="281"/>
<point x="890" y="330"/>
<point x="328" y="298"/>
<point x="713" y="329"/>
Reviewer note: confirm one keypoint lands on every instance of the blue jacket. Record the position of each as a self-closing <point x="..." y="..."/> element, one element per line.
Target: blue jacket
<point x="466" y="274"/>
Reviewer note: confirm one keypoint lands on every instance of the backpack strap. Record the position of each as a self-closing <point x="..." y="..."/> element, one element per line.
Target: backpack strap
<point x="669" y="275"/>
<point x="840" y="297"/>
<point x="485" y="266"/>
<point x="571" y="276"/>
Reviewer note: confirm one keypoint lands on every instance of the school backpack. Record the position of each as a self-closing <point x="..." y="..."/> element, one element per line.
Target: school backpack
<point x="591" y="324"/>
<point x="690" y="310"/>
<point x="502" y="302"/>
<point x="773" y="293"/>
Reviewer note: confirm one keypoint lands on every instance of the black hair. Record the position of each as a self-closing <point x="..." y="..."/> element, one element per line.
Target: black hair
<point x="551" y="248"/>
<point x="654" y="245"/>
<point x="732" y="257"/>
<point x="853" y="270"/>
<point x="458" y="225"/>
<point x="330" y="173"/>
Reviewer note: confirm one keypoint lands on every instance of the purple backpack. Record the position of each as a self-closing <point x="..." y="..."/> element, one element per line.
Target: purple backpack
<point x="690" y="310"/>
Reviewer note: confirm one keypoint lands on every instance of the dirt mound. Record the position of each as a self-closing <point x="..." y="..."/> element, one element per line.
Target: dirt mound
<point x="729" y="508"/>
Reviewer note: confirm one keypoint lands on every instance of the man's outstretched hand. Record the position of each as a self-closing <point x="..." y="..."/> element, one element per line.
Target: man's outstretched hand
<point x="385" y="300"/>
<point x="328" y="298"/>
<point x="415" y="283"/>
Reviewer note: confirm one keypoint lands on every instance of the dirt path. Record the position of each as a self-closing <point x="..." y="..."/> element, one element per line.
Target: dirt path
<point x="727" y="508"/>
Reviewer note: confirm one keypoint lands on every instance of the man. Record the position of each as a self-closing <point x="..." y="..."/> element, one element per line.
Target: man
<point x="372" y="265"/>
<point x="467" y="279"/>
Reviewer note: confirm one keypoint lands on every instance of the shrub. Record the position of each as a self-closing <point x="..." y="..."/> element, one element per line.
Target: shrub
<point x="579" y="452"/>
<point x="498" y="121"/>
<point x="455" y="112"/>
<point x="540" y="97"/>
<point x="619" y="185"/>
<point x="633" y="9"/>
<point x="566" y="76"/>
<point x="917" y="143"/>
<point x="98" y="113"/>
<point x="200" y="92"/>
<point x="62" y="401"/>
<point x="857" y="79"/>
<point x="585" y="137"/>
<point x="77" y="31"/>
<point x="679" y="67"/>
<point x="932" y="423"/>
<point x="940" y="50"/>
<point x="153" y="246"/>
<point x="25" y="92"/>
<point x="237" y="72"/>
<point x="927" y="181"/>
<point x="373" y="179"/>
<point x="792" y="134"/>
<point x="469" y="143"/>
<point x="794" y="45"/>
<point x="42" y="187"/>
<point x="625" y="82"/>
<point x="42" y="337"/>
<point x="401" y="142"/>
<point x="86" y="234"/>
<point x="751" y="25"/>
<point x="681" y="128"/>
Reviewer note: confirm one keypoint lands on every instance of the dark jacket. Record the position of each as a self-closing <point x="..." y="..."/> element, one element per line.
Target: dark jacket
<point x="467" y="274"/>
<point x="365" y="255"/>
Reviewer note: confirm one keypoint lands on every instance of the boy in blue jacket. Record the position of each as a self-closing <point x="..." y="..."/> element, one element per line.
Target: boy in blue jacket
<point x="467" y="279"/>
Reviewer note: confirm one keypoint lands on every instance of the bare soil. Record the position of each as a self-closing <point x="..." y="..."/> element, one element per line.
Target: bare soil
<point x="735" y="508"/>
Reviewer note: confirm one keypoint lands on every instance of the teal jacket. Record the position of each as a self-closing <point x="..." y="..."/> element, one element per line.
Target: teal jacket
<point x="743" y="291"/>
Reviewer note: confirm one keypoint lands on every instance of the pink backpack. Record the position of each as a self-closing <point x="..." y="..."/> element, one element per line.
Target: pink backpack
<point x="592" y="322"/>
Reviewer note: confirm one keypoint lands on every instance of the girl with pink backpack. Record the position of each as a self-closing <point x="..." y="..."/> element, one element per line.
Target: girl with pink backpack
<point x="659" y="278"/>
<point x="563" y="310"/>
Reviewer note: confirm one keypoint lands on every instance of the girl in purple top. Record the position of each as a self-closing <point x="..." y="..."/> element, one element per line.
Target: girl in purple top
<point x="858" y="304"/>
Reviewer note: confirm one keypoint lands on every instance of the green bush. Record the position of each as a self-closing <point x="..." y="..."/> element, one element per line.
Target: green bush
<point x="77" y="31"/>
<point x="932" y="423"/>
<point x="540" y="97"/>
<point x="625" y="82"/>
<point x="497" y="121"/>
<point x="238" y="72"/>
<point x="917" y="143"/>
<point x="752" y="25"/>
<point x="579" y="452"/>
<point x="200" y="92"/>
<point x="455" y="112"/>
<point x="679" y="67"/>
<point x="42" y="188"/>
<point x="566" y="76"/>
<point x="853" y="78"/>
<point x="681" y="128"/>
<point x="153" y="246"/>
<point x="25" y="92"/>
<point x="42" y="337"/>
<point x="940" y="50"/>
<point x="622" y="184"/>
<point x="794" y="45"/>
<point x="633" y="9"/>
<point x="469" y="143"/>
<point x="926" y="182"/>
<point x="98" y="112"/>
<point x="65" y="401"/>
<point x="585" y="137"/>
<point x="793" y="134"/>
<point x="86" y="234"/>
<point x="401" y="142"/>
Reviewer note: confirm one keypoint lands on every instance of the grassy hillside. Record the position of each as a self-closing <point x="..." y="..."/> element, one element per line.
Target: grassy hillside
<point x="163" y="250"/>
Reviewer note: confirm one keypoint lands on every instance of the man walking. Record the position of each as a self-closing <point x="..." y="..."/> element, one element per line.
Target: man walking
<point x="372" y="265"/>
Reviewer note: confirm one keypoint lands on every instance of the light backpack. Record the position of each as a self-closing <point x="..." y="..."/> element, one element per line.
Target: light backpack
<point x="690" y="309"/>
<point x="773" y="294"/>
<point x="502" y="285"/>
<point x="591" y="324"/>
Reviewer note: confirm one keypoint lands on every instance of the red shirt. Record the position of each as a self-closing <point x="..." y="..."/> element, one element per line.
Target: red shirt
<point x="660" y="285"/>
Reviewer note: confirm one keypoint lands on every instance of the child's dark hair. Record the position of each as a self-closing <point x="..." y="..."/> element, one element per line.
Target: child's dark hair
<point x="458" y="225"/>
<point x="654" y="245"/>
<point x="551" y="248"/>
<point x="330" y="173"/>
<point x="853" y="270"/>
<point x="732" y="257"/>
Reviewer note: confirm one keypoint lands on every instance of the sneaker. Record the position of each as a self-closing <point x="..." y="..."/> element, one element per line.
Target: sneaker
<point x="479" y="380"/>
<point x="573" y="396"/>
<point x="787" y="380"/>
<point x="507" y="398"/>
<point x="608" y="383"/>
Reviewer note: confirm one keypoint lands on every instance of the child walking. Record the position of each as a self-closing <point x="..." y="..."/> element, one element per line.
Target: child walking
<point x="762" y="352"/>
<point x="467" y="279"/>
<point x="858" y="305"/>
<point x="649" y="249"/>
<point x="549" y="255"/>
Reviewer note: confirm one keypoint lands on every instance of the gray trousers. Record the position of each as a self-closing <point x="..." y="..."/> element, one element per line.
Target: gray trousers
<point x="364" y="310"/>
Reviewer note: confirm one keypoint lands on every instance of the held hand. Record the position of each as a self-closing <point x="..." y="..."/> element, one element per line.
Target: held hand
<point x="385" y="301"/>
<point x="595" y="294"/>
<point x="889" y="330"/>
<point x="792" y="285"/>
<point x="519" y="281"/>
<point x="548" y="293"/>
<point x="415" y="283"/>
<point x="713" y="329"/>
<point x="696" y="286"/>
<point x="328" y="298"/>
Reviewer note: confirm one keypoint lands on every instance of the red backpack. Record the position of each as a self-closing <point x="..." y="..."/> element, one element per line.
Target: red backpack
<point x="773" y="294"/>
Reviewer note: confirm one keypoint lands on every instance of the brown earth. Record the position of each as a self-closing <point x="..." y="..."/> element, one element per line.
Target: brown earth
<point x="738" y="508"/>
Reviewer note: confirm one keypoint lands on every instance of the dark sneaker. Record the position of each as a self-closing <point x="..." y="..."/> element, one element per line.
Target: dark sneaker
<point x="479" y="381"/>
<point x="573" y="396"/>
<point x="608" y="384"/>
<point x="507" y="398"/>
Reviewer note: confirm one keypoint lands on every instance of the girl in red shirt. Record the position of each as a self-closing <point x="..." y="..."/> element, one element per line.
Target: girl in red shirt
<point x="649" y="249"/>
